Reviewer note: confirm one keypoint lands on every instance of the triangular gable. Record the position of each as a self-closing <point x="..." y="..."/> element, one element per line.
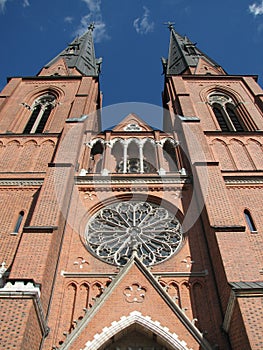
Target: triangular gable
<point x="129" y="298"/>
<point x="205" y="67"/>
<point x="132" y="123"/>
<point x="58" y="68"/>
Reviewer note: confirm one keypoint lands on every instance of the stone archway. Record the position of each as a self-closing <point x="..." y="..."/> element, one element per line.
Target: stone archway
<point x="150" y="333"/>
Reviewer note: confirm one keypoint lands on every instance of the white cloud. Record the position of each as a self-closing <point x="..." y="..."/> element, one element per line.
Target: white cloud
<point x="144" y="25"/>
<point x="94" y="16"/>
<point x="26" y="3"/>
<point x="2" y="5"/>
<point x="68" y="19"/>
<point x="99" y="33"/>
<point x="93" y="5"/>
<point x="256" y="9"/>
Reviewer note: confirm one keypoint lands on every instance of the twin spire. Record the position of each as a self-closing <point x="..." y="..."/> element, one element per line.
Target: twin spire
<point x="183" y="58"/>
<point x="80" y="54"/>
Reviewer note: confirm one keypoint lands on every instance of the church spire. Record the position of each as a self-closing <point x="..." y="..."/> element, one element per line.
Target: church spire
<point x="185" y="58"/>
<point x="80" y="55"/>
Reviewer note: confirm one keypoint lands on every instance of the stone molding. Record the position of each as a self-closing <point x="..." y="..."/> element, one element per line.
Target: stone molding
<point x="26" y="290"/>
<point x="240" y="290"/>
<point x="158" y="275"/>
<point x="21" y="182"/>
<point x="135" y="317"/>
<point x="100" y="180"/>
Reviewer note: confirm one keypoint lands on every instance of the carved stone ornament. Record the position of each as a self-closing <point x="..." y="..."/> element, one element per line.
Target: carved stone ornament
<point x="134" y="293"/>
<point x="118" y="230"/>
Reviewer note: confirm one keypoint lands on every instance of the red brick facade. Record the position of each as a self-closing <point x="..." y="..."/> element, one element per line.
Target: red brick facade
<point x="59" y="184"/>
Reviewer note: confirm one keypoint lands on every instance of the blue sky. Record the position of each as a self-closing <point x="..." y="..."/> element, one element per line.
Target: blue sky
<point x="131" y="38"/>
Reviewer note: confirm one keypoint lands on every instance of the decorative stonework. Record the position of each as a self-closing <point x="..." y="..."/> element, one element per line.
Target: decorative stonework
<point x="3" y="270"/>
<point x="81" y="262"/>
<point x="146" y="322"/>
<point x="132" y="127"/>
<point x="26" y="290"/>
<point x="135" y="293"/>
<point x="116" y="231"/>
<point x="20" y="183"/>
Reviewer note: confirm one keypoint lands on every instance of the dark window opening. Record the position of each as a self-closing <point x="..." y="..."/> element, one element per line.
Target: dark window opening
<point x="250" y="222"/>
<point x="234" y="119"/>
<point x="220" y="118"/>
<point x="19" y="221"/>
<point x="41" y="112"/>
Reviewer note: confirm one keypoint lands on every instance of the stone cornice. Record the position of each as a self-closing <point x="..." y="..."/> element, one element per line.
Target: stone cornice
<point x="243" y="180"/>
<point x="68" y="274"/>
<point x="240" y="290"/>
<point x="126" y="180"/>
<point x="21" y="182"/>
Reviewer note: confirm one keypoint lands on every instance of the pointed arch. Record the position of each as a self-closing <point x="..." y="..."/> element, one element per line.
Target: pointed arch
<point x="171" y="339"/>
<point x="41" y="110"/>
<point x="223" y="155"/>
<point x="96" y="156"/>
<point x="250" y="221"/>
<point x="45" y="155"/>
<point x="11" y="155"/>
<point x="169" y="155"/>
<point x="240" y="154"/>
<point x="28" y="156"/>
<point x="256" y="152"/>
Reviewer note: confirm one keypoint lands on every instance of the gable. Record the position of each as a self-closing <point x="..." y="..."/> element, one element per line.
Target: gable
<point x="132" y="123"/>
<point x="129" y="300"/>
<point x="205" y="67"/>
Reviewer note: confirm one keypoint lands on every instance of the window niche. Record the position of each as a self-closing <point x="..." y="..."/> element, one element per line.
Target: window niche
<point x="41" y="110"/>
<point x="249" y="220"/>
<point x="96" y="157"/>
<point x="18" y="223"/>
<point x="226" y="114"/>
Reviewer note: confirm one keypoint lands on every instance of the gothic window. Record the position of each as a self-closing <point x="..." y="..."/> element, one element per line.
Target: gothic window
<point x="249" y="221"/>
<point x="19" y="222"/>
<point x="225" y="112"/>
<point x="96" y="157"/>
<point x="117" y="230"/>
<point x="41" y="110"/>
<point x="170" y="156"/>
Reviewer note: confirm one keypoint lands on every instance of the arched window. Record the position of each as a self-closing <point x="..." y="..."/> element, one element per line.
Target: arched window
<point x="19" y="222"/>
<point x="220" y="118"/>
<point x="41" y="110"/>
<point x="226" y="113"/>
<point x="96" y="157"/>
<point x="249" y="221"/>
<point x="170" y="156"/>
<point x="135" y="156"/>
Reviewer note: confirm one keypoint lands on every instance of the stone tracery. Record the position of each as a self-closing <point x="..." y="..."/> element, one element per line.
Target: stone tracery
<point x="116" y="231"/>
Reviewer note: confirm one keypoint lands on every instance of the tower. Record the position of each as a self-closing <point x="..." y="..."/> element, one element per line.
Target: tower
<point x="131" y="237"/>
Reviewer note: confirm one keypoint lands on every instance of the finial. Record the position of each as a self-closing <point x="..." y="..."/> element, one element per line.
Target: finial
<point x="91" y="26"/>
<point x="170" y="25"/>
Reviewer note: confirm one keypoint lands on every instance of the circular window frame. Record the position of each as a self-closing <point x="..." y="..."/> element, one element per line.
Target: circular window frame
<point x="116" y="231"/>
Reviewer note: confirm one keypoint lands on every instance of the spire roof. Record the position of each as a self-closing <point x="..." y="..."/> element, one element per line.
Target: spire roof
<point x="185" y="56"/>
<point x="80" y="54"/>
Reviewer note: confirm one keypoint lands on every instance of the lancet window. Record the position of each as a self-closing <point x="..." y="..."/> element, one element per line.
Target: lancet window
<point x="19" y="222"/>
<point x="41" y="110"/>
<point x="225" y="111"/>
<point x="96" y="157"/>
<point x="249" y="221"/>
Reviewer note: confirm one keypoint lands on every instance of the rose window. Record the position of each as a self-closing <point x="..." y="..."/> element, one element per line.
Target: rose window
<point x="116" y="231"/>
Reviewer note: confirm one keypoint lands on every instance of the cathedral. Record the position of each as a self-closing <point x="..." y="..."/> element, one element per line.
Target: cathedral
<point x="131" y="238"/>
